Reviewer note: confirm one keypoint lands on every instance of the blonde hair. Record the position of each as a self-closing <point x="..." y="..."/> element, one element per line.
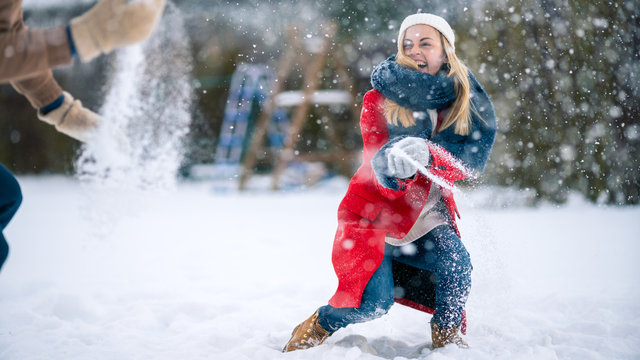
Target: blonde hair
<point x="460" y="113"/>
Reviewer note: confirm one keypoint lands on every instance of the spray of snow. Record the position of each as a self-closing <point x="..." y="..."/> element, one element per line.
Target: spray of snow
<point x="147" y="114"/>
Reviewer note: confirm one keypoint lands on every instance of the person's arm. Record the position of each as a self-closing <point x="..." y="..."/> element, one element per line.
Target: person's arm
<point x="30" y="52"/>
<point x="108" y="25"/>
<point x="375" y="136"/>
<point x="41" y="89"/>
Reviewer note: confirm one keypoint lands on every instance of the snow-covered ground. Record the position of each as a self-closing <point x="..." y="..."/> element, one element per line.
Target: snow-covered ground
<point x="197" y="274"/>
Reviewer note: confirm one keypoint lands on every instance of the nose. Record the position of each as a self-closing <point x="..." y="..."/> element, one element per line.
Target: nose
<point x="411" y="51"/>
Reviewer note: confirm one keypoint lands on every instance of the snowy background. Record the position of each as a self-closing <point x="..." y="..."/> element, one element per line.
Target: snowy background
<point x="564" y="77"/>
<point x="191" y="273"/>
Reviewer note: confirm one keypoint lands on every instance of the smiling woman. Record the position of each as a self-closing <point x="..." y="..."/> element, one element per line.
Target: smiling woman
<point x="426" y="48"/>
<point x="397" y="238"/>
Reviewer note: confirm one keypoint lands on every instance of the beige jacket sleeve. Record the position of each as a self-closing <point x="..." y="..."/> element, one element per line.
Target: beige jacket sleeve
<point x="27" y="55"/>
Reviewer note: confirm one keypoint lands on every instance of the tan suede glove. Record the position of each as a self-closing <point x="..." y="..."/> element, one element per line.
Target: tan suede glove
<point x="111" y="24"/>
<point x="72" y="119"/>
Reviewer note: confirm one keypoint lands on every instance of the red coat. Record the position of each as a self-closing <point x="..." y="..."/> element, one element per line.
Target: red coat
<point x="369" y="211"/>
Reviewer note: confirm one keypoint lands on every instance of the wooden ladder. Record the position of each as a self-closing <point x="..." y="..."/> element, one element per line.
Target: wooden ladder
<point x="311" y="81"/>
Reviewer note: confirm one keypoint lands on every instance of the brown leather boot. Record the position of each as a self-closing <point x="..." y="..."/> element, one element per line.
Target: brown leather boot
<point x="308" y="334"/>
<point x="442" y="337"/>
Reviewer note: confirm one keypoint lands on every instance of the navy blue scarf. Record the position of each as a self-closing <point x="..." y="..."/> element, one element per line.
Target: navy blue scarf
<point x="413" y="89"/>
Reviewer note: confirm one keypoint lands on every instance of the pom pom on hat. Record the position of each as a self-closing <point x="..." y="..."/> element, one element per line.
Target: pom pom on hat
<point x="435" y="21"/>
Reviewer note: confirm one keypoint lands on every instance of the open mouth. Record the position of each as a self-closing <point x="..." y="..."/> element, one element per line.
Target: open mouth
<point x="422" y="66"/>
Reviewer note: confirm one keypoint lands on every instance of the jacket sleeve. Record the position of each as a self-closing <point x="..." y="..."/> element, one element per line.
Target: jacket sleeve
<point x="445" y="166"/>
<point x="375" y="137"/>
<point x="29" y="54"/>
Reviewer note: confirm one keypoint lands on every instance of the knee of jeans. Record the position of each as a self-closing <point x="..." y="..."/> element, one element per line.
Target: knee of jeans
<point x="464" y="261"/>
<point x="457" y="263"/>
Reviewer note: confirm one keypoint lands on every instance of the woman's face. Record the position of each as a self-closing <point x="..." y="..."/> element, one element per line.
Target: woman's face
<point x="423" y="45"/>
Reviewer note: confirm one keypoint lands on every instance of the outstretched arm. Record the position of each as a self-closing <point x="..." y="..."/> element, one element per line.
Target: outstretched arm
<point x="375" y="136"/>
<point x="29" y="54"/>
<point x="108" y="25"/>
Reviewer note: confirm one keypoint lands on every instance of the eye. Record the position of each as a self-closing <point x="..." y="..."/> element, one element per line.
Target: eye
<point x="425" y="44"/>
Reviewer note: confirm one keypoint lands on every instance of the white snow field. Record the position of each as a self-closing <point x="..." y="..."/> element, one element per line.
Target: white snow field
<point x="192" y="273"/>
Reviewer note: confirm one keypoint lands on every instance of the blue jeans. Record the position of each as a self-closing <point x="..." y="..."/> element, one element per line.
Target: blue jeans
<point x="10" y="199"/>
<point x="440" y="251"/>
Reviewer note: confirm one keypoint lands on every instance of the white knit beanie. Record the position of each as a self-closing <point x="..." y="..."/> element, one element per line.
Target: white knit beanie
<point x="436" y="21"/>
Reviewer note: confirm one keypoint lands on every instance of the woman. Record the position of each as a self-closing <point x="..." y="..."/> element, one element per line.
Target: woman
<point x="426" y="119"/>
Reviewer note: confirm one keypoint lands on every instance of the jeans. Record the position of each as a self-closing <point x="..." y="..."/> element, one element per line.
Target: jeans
<point x="440" y="251"/>
<point x="10" y="199"/>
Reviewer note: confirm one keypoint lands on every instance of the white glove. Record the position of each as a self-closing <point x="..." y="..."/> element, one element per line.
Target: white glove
<point x="72" y="119"/>
<point x="112" y="24"/>
<point x="416" y="149"/>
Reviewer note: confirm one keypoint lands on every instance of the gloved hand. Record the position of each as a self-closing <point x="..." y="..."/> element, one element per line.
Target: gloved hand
<point x="72" y="119"/>
<point x="114" y="23"/>
<point x="412" y="147"/>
